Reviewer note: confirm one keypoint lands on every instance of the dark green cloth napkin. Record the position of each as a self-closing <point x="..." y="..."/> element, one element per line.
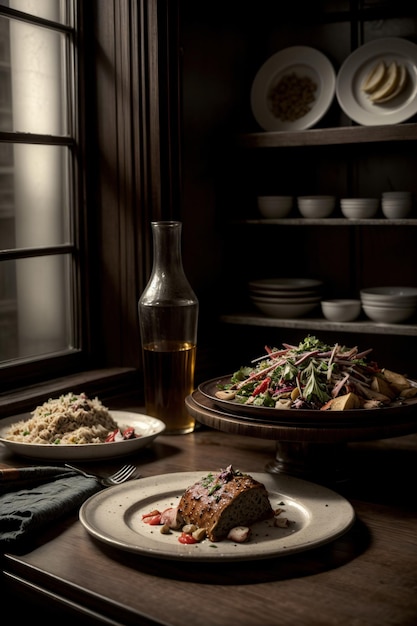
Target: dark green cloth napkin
<point x="33" y="498"/>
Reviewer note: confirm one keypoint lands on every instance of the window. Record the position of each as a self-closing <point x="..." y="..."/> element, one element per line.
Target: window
<point x="39" y="274"/>
<point x="80" y="182"/>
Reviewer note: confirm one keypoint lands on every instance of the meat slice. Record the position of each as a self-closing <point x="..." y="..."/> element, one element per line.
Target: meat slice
<point x="221" y="501"/>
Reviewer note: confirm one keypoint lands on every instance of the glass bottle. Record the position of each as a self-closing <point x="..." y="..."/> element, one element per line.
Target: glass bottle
<point x="168" y="319"/>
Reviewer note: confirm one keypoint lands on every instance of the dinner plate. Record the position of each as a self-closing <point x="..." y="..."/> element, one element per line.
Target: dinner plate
<point x="282" y="310"/>
<point x="353" y="71"/>
<point x="200" y="400"/>
<point x="302" y="61"/>
<point x="295" y="417"/>
<point x="276" y="299"/>
<point x="286" y="285"/>
<point x="316" y="514"/>
<point x="145" y="426"/>
<point x="283" y="296"/>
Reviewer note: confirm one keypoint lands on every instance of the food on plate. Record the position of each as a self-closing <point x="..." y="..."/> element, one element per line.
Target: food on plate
<point x="221" y="505"/>
<point x="383" y="83"/>
<point x="399" y="88"/>
<point x="315" y="375"/>
<point x="69" y="419"/>
<point x="397" y="381"/>
<point x="222" y="501"/>
<point x="292" y="97"/>
<point x="392" y="85"/>
<point x="344" y="403"/>
<point x="375" y="78"/>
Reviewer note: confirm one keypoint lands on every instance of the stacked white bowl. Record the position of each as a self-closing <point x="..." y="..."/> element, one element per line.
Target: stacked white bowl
<point x="341" y="310"/>
<point x="390" y="305"/>
<point x="285" y="297"/>
<point x="273" y="207"/>
<point x="359" y="208"/>
<point x="396" y="204"/>
<point x="316" y="206"/>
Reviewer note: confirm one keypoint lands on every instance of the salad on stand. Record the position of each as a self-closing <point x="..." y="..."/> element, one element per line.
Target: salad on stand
<point x="314" y="375"/>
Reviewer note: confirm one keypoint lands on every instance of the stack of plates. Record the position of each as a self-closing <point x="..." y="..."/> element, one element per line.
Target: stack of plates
<point x="285" y="297"/>
<point x="389" y="305"/>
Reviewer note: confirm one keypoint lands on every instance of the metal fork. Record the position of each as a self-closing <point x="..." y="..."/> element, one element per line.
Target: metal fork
<point x="125" y="473"/>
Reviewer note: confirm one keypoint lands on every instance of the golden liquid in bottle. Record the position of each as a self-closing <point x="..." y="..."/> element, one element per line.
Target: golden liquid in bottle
<point x="169" y="379"/>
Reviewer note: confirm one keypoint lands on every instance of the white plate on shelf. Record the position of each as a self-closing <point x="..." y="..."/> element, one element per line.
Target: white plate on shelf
<point x="355" y="68"/>
<point x="303" y="61"/>
<point x="285" y="285"/>
<point x="317" y="516"/>
<point x="145" y="426"/>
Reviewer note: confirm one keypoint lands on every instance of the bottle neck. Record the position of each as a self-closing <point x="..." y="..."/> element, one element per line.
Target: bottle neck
<point x="167" y="259"/>
<point x="168" y="307"/>
<point x="168" y="284"/>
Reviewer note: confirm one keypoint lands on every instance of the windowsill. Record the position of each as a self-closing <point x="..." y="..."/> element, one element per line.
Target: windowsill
<point x="106" y="384"/>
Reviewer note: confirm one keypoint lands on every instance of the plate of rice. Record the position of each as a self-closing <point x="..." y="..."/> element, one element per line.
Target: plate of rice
<point x="75" y="427"/>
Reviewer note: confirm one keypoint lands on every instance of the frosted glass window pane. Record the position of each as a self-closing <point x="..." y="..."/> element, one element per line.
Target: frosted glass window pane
<point x="35" y="198"/>
<point x="48" y="9"/>
<point x="37" y="85"/>
<point x="39" y="290"/>
<point x="6" y="123"/>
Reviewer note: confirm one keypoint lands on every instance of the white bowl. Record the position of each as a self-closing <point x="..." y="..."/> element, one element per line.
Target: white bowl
<point x="396" y="202"/>
<point x="397" y="194"/>
<point x="389" y="295"/>
<point x="360" y="201"/>
<point x="284" y="295"/>
<point x="359" y="211"/>
<point x="273" y="299"/>
<point x="279" y="310"/>
<point x="394" y="210"/>
<point x="272" y="207"/>
<point x="286" y="284"/>
<point x="341" y="310"/>
<point x="316" y="206"/>
<point x="388" y="315"/>
<point x="390" y="304"/>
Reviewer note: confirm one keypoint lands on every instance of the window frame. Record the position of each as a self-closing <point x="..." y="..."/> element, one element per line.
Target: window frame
<point x="26" y="370"/>
<point x="129" y="108"/>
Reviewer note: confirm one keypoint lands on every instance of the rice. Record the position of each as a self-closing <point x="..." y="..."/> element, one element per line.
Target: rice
<point x="69" y="419"/>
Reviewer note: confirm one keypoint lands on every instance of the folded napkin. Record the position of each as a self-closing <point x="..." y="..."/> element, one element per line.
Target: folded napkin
<point x="33" y="498"/>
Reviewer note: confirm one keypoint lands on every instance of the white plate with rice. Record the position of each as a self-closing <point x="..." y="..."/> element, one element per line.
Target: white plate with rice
<point x="293" y="89"/>
<point x="146" y="428"/>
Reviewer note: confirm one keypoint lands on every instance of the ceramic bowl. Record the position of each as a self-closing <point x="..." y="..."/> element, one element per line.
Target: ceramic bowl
<point x="389" y="195"/>
<point x="393" y="210"/>
<point x="273" y="207"/>
<point x="396" y="204"/>
<point x="388" y="314"/>
<point x="341" y="310"/>
<point x="316" y="206"/>
<point x="359" y="208"/>
<point x="398" y="296"/>
<point x="284" y="310"/>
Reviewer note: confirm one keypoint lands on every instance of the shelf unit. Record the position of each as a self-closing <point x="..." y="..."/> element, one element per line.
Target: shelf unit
<point x="325" y="137"/>
<point x="351" y="140"/>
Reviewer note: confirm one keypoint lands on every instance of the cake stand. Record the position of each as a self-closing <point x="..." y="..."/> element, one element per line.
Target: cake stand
<point x="314" y="450"/>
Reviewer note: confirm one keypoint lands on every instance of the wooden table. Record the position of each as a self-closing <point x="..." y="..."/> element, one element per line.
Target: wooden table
<point x="368" y="576"/>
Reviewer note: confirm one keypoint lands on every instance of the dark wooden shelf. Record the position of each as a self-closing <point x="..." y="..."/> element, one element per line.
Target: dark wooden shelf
<point x="360" y="326"/>
<point x="328" y="221"/>
<point x="329" y="136"/>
